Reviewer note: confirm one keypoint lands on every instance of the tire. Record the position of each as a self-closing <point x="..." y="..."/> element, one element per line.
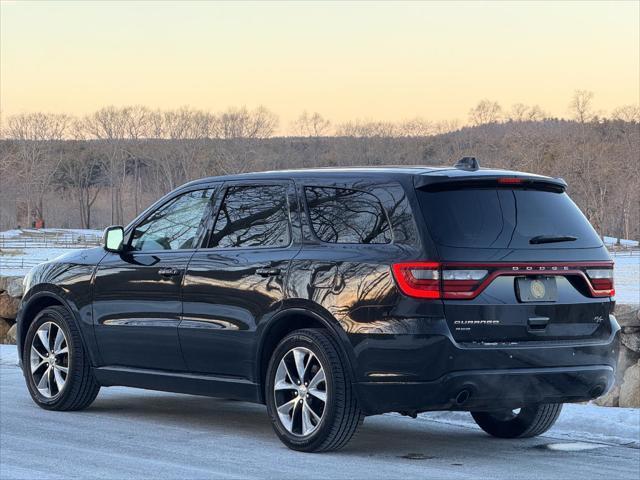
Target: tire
<point x="339" y="415"/>
<point x="79" y="387"/>
<point x="531" y="421"/>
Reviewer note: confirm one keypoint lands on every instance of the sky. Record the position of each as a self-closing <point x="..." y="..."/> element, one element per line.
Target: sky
<point x="346" y="60"/>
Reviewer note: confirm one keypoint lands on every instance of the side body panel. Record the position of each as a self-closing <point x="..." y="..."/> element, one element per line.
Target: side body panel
<point x="228" y="293"/>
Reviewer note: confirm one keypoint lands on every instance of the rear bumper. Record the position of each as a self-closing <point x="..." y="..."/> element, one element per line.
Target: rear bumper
<point x="429" y="370"/>
<point x="488" y="389"/>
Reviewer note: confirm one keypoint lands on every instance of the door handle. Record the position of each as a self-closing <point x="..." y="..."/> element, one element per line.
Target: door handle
<point x="268" y="272"/>
<point x="538" y="323"/>
<point x="169" y="271"/>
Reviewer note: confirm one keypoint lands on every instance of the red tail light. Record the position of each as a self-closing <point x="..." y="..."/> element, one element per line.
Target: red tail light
<point x="464" y="281"/>
<point x="602" y="281"/>
<point x="420" y="279"/>
<point x="432" y="280"/>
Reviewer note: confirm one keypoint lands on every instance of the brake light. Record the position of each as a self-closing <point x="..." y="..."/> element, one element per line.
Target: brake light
<point x="602" y="281"/>
<point x="420" y="279"/>
<point x="510" y="180"/>
<point x="431" y="280"/>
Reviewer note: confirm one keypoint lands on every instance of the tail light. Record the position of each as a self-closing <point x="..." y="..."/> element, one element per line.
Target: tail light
<point x="431" y="280"/>
<point x="464" y="281"/>
<point x="420" y="280"/>
<point x="602" y="281"/>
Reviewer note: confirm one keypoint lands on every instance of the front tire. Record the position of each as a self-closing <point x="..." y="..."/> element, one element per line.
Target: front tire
<point x="529" y="421"/>
<point x="55" y="365"/>
<point x="310" y="398"/>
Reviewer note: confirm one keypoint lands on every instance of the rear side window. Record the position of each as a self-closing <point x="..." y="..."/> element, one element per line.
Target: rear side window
<point x="504" y="218"/>
<point x="340" y="215"/>
<point x="252" y="216"/>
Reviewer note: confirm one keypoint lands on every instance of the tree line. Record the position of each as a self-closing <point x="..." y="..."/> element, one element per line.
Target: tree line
<point x="106" y="167"/>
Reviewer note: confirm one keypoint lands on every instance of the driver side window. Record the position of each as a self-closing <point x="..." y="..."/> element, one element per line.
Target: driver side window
<point x="174" y="226"/>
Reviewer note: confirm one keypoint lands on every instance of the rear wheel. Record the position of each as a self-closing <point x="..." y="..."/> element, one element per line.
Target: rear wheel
<point x="524" y="422"/>
<point x="310" y="398"/>
<point x="55" y="365"/>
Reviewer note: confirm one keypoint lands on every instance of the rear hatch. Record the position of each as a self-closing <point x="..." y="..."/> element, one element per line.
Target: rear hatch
<point x="518" y="261"/>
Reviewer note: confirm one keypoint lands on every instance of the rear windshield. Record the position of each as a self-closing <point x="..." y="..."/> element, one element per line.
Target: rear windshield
<point x="505" y="218"/>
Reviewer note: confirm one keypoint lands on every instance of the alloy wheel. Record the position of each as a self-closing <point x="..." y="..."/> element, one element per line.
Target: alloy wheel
<point x="49" y="357"/>
<point x="300" y="391"/>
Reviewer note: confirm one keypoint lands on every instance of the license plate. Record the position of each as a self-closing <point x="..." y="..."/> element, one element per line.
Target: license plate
<point x="537" y="289"/>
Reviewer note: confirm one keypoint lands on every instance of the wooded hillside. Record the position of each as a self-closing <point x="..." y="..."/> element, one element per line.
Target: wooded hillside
<point x="106" y="167"/>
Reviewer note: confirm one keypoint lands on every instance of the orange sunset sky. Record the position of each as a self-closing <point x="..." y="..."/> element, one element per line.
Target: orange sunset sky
<point x="347" y="60"/>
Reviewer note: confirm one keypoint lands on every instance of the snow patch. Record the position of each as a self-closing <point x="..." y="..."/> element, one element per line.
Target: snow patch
<point x="572" y="446"/>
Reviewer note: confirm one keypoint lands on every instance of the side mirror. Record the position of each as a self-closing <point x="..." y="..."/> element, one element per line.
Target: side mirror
<point x="113" y="238"/>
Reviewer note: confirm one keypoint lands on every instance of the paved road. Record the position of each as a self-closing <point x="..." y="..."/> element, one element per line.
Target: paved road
<point x="130" y="433"/>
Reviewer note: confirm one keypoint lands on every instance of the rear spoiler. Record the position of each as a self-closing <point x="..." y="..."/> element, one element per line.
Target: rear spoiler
<point x="442" y="181"/>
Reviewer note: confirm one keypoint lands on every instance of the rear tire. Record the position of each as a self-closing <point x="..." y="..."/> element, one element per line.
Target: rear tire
<point x="55" y="365"/>
<point x="530" y="421"/>
<point x="329" y="423"/>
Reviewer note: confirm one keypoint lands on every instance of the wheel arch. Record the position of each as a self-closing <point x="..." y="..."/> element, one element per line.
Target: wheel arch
<point x="289" y="320"/>
<point x="35" y="304"/>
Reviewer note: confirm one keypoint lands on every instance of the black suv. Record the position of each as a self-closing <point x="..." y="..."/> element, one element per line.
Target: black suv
<point x="333" y="294"/>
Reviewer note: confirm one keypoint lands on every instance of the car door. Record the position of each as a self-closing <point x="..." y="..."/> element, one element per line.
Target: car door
<point x="137" y="293"/>
<point x="237" y="280"/>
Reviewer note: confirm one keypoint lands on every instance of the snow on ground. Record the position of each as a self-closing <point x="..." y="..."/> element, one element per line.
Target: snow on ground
<point x="626" y="275"/>
<point x="577" y="422"/>
<point x="50" y="231"/>
<point x="20" y="263"/>
<point x="583" y="422"/>
<point x="130" y="433"/>
<point x="609" y="241"/>
<point x="20" y="250"/>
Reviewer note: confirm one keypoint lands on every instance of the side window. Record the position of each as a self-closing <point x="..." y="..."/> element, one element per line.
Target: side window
<point x="340" y="215"/>
<point x="255" y="216"/>
<point x="174" y="226"/>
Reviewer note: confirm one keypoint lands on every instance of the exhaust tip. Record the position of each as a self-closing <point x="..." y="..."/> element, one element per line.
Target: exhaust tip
<point x="596" y="391"/>
<point x="463" y="396"/>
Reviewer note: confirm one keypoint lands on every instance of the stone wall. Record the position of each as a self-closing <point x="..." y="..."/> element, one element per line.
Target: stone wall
<point x="10" y="294"/>
<point x="626" y="392"/>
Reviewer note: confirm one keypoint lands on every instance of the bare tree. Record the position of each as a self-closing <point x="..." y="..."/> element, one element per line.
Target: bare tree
<point x="314" y="125"/>
<point x="242" y="123"/>
<point x="524" y="113"/>
<point x="34" y="163"/>
<point x="486" y="111"/>
<point x="581" y="106"/>
<point x="125" y="157"/>
<point x="81" y="172"/>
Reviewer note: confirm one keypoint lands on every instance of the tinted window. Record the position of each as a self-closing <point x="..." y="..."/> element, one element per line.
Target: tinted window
<point x="252" y="217"/>
<point x="504" y="218"/>
<point x="341" y="215"/>
<point x="174" y="226"/>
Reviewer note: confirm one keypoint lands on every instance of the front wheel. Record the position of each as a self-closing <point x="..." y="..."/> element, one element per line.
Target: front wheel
<point x="55" y="364"/>
<point x="524" y="422"/>
<point x="309" y="395"/>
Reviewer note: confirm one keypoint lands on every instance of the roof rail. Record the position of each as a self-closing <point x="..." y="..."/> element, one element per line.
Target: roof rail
<point x="467" y="163"/>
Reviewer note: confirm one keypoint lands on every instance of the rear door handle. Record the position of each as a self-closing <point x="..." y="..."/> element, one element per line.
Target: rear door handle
<point x="268" y="272"/>
<point x="169" y="271"/>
